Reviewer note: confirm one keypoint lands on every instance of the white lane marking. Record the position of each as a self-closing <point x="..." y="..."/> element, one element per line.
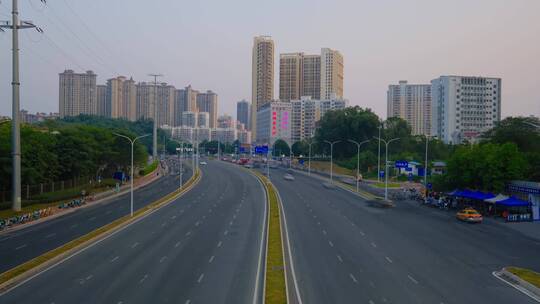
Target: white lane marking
<point x="362" y="233"/>
<point x="226" y="232"/>
<point x="135" y="245"/>
<point x="373" y="245"/>
<point x="209" y="210"/>
<point x="219" y="244"/>
<point x="200" y="278"/>
<point x="89" y="277"/>
<point x="108" y="212"/>
<point x="197" y="223"/>
<point x="176" y="245"/>
<point x="517" y="287"/>
<point x="339" y="258"/>
<point x="204" y="217"/>
<point x="412" y="279"/>
<point x="319" y="223"/>
<point x="173" y="217"/>
<point x="92" y="218"/>
<point x="188" y="301"/>
<point x="211" y="259"/>
<point x="50" y="235"/>
<point x="162" y="259"/>
<point x="143" y="278"/>
<point x="20" y="247"/>
<point x="353" y="278"/>
<point x="74" y="226"/>
<point x="388" y="259"/>
<point x="324" y="232"/>
<point x="371" y="302"/>
<point x="234" y="216"/>
<point x="230" y="223"/>
<point x="163" y="225"/>
<point x="182" y="211"/>
<point x="314" y="216"/>
<point x="114" y="259"/>
<point x="188" y="233"/>
<point x="330" y="243"/>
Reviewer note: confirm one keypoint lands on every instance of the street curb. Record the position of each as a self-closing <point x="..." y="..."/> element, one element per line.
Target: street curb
<point x="518" y="283"/>
<point x="19" y="274"/>
<point x="103" y="200"/>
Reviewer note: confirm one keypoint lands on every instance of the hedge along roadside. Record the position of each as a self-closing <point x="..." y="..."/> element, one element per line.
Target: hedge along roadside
<point x="275" y="287"/>
<point x="14" y="276"/>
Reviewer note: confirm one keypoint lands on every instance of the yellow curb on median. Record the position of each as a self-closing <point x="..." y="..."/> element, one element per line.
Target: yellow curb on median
<point x="30" y="268"/>
<point x="275" y="287"/>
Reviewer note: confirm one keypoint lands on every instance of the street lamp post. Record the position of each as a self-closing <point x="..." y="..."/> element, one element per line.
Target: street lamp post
<point x="309" y="158"/>
<point x="358" y="159"/>
<point x="331" y="143"/>
<point x="386" y="166"/>
<point x="426" y="169"/>
<point x="180" y="159"/>
<point x="379" y="158"/>
<point x="132" y="141"/>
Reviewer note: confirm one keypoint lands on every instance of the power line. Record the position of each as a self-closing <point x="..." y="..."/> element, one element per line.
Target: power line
<point x="59" y="49"/>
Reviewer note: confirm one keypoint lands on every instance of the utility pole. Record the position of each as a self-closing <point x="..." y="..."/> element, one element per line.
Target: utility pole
<point x="154" y="131"/>
<point x="15" y="25"/>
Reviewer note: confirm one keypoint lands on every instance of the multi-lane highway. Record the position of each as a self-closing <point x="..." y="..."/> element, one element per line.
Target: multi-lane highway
<point x="22" y="245"/>
<point x="345" y="251"/>
<point x="205" y="247"/>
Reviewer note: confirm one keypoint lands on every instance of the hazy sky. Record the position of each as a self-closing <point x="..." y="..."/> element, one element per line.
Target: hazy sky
<point x="208" y="44"/>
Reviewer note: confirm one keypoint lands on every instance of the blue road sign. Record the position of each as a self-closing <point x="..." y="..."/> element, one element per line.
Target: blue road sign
<point x="408" y="169"/>
<point x="243" y="150"/>
<point x="429" y="186"/>
<point x="261" y="149"/>
<point x="401" y="164"/>
<point x="381" y="174"/>
<point x="301" y="162"/>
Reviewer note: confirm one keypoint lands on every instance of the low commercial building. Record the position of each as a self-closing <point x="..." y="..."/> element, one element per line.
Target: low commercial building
<point x="274" y="122"/>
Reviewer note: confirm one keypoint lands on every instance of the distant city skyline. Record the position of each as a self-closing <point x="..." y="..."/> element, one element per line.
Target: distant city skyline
<point x="380" y="42"/>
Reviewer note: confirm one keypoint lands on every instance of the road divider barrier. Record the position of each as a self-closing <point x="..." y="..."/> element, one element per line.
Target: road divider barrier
<point x="25" y="271"/>
<point x="275" y="286"/>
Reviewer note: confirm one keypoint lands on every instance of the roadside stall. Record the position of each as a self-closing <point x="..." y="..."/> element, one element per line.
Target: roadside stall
<point x="515" y="210"/>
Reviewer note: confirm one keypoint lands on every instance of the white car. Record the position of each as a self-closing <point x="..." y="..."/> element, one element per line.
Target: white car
<point x="203" y="163"/>
<point x="288" y="177"/>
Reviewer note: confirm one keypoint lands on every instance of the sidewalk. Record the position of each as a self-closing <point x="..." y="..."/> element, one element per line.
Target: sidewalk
<point x="530" y="229"/>
<point x="99" y="198"/>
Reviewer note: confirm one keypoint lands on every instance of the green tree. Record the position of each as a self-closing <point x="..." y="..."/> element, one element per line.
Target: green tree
<point x="280" y="148"/>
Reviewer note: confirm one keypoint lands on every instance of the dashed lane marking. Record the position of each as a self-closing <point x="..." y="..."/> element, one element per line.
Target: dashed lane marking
<point x="162" y="259"/>
<point x="20" y="247"/>
<point x="219" y="244"/>
<point x="143" y="279"/>
<point x="200" y="278"/>
<point x="339" y="258"/>
<point x="330" y="243"/>
<point x="353" y="278"/>
<point x="388" y="259"/>
<point x="135" y="245"/>
<point x="211" y="259"/>
<point x="412" y="279"/>
<point x="114" y="259"/>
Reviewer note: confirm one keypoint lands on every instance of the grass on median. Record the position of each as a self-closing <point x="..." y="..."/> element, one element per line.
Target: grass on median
<point x="390" y="185"/>
<point x="527" y="275"/>
<point x="275" y="292"/>
<point x="18" y="270"/>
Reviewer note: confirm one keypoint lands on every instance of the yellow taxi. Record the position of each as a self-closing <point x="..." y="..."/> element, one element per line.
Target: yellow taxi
<point x="469" y="215"/>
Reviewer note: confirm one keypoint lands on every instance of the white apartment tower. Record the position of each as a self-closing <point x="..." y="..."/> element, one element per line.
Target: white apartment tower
<point x="331" y="73"/>
<point x="464" y="107"/>
<point x="77" y="93"/>
<point x="412" y="103"/>
<point x="262" y="76"/>
<point x="208" y="102"/>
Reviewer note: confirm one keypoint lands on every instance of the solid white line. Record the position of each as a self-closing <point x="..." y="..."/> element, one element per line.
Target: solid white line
<point x="388" y="259"/>
<point x="412" y="279"/>
<point x="519" y="288"/>
<point x="211" y="259"/>
<point x="262" y="251"/>
<point x="114" y="259"/>
<point x="20" y="247"/>
<point x="353" y="278"/>
<point x="200" y="278"/>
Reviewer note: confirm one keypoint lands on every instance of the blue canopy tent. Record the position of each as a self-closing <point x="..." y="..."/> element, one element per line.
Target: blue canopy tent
<point x="513" y="202"/>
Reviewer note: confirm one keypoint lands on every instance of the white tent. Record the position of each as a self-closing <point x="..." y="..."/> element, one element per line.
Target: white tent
<point x="497" y="198"/>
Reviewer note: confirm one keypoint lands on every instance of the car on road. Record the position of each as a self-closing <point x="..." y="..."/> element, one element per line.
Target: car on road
<point x="469" y="215"/>
<point x="203" y="163"/>
<point x="288" y="176"/>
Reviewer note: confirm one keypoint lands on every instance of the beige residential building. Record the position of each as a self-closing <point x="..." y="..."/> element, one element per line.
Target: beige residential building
<point x="101" y="100"/>
<point x="77" y="93"/>
<point x="208" y="102"/>
<point x="412" y="103"/>
<point x="262" y="76"/>
<point x="121" y="99"/>
<point x="290" y="76"/>
<point x="145" y="100"/>
<point x="184" y="100"/>
<point x="331" y="74"/>
<point x="165" y="102"/>
<point x="311" y="76"/>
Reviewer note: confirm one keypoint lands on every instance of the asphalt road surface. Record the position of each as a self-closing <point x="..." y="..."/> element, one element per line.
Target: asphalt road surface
<point x="346" y="251"/>
<point x="22" y="245"/>
<point x="202" y="248"/>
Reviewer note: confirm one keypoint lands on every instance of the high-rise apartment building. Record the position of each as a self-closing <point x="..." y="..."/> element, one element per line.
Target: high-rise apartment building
<point x="121" y="99"/>
<point x="306" y="113"/>
<point x="101" y="100"/>
<point x="331" y="73"/>
<point x="77" y="93"/>
<point x="145" y="100"/>
<point x="290" y="76"/>
<point x="161" y="95"/>
<point x="311" y="76"/>
<point x="464" y="107"/>
<point x="225" y="122"/>
<point x="243" y="113"/>
<point x="262" y="76"/>
<point x="274" y="122"/>
<point x="184" y="100"/>
<point x="203" y="120"/>
<point x="165" y="102"/>
<point x="208" y="102"/>
<point x="412" y="103"/>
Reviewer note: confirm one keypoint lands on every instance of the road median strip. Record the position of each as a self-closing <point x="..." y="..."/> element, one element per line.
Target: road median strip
<point x="38" y="264"/>
<point x="275" y="287"/>
<point x="524" y="280"/>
